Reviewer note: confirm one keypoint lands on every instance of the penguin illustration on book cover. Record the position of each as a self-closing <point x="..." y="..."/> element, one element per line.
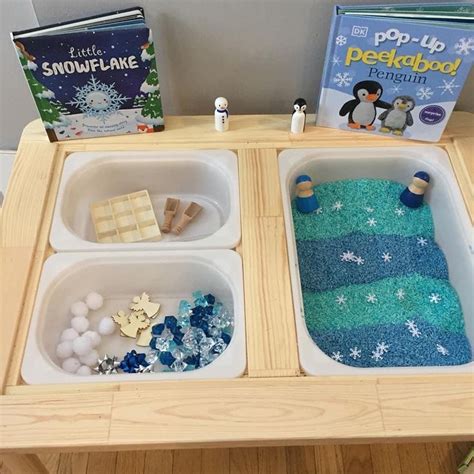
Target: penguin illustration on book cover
<point x="398" y="117"/>
<point x="362" y="109"/>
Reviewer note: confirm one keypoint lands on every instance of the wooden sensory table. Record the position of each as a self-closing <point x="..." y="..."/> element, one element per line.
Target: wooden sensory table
<point x="274" y="403"/>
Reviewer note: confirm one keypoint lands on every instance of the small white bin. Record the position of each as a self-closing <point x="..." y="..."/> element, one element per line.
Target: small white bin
<point x="209" y="178"/>
<point x="453" y="230"/>
<point x="167" y="276"/>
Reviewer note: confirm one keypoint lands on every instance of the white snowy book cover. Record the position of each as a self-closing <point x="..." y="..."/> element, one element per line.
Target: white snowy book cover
<point x="395" y="76"/>
<point x="94" y="82"/>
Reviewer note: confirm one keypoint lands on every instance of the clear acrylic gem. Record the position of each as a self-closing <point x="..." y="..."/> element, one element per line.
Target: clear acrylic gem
<point x="178" y="365"/>
<point x="152" y="356"/>
<point x="206" y="359"/>
<point x="219" y="346"/>
<point x="206" y="345"/>
<point x="214" y="332"/>
<point x="162" y="344"/>
<point x="178" y="354"/>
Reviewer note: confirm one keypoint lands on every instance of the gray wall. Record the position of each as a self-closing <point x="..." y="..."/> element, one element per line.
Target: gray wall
<point x="260" y="54"/>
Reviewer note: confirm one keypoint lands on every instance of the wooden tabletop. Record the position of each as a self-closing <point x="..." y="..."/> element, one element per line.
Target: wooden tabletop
<point x="274" y="403"/>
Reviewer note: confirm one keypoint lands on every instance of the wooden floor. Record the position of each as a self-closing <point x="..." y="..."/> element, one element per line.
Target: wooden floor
<point x="439" y="458"/>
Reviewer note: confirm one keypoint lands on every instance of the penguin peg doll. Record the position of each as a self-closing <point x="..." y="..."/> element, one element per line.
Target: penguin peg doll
<point x="221" y="114"/>
<point x="412" y="196"/>
<point x="298" y="118"/>
<point x="306" y="201"/>
<point x="362" y="109"/>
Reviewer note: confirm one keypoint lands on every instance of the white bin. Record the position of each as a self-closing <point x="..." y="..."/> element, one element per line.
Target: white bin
<point x="453" y="230"/>
<point x="119" y="276"/>
<point x="209" y="178"/>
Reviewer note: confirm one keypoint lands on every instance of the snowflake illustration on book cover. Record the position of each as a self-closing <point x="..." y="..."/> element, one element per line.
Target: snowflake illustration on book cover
<point x="96" y="99"/>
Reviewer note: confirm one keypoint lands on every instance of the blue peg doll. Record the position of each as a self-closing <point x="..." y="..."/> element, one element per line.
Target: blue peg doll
<point x="412" y="196"/>
<point x="306" y="201"/>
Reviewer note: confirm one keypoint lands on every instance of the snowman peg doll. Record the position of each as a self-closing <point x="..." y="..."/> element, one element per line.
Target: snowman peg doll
<point x="413" y="194"/>
<point x="221" y="114"/>
<point x="306" y="201"/>
<point x="298" y="118"/>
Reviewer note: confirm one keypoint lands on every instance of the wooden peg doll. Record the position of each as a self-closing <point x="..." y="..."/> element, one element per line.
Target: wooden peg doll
<point x="306" y="201"/>
<point x="412" y="196"/>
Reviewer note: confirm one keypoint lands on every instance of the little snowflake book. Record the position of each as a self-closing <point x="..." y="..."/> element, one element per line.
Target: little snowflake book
<point x="93" y="77"/>
<point x="396" y="70"/>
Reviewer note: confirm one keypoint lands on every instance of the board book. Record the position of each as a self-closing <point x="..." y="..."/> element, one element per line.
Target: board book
<point x="396" y="69"/>
<point x="93" y="77"/>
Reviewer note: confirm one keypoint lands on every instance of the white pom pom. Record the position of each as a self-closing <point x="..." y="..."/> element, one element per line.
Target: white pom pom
<point x="80" y="324"/>
<point x="82" y="345"/>
<point x="94" y="300"/>
<point x="79" y="308"/>
<point x="94" y="337"/>
<point x="71" y="365"/>
<point x="84" y="370"/>
<point x="90" y="359"/>
<point x="106" y="326"/>
<point x="69" y="335"/>
<point x="64" y="349"/>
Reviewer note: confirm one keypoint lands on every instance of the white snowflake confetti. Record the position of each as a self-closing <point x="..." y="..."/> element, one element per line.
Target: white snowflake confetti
<point x="369" y="209"/>
<point x="413" y="328"/>
<point x="448" y="86"/>
<point x="400" y="294"/>
<point x="336" y="60"/>
<point x="382" y="347"/>
<point x="341" y="300"/>
<point x="359" y="260"/>
<point x="424" y="93"/>
<point x="442" y="350"/>
<point x="347" y="256"/>
<point x="371" y="222"/>
<point x="96" y="99"/>
<point x="371" y="298"/>
<point x="421" y="241"/>
<point x="319" y="210"/>
<point x="355" y="353"/>
<point x="435" y="298"/>
<point x="399" y="212"/>
<point x="376" y="355"/>
<point x="342" y="79"/>
<point x="337" y="206"/>
<point x="464" y="46"/>
<point x="386" y="257"/>
<point x="341" y="40"/>
<point x="337" y="356"/>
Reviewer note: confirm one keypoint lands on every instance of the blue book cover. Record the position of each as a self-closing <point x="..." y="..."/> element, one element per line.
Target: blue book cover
<point x="93" y="77"/>
<point x="396" y="70"/>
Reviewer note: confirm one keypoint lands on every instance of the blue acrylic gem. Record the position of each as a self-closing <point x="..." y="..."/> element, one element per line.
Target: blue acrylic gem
<point x="157" y="329"/>
<point x="171" y="323"/>
<point x="198" y="311"/>
<point x="210" y="298"/>
<point x="209" y="310"/>
<point x="193" y="360"/>
<point x="204" y="325"/>
<point x="195" y="320"/>
<point x="166" y="358"/>
<point x="199" y="299"/>
<point x="225" y="337"/>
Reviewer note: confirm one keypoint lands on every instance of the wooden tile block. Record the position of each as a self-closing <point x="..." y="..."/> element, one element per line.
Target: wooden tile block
<point x="127" y="218"/>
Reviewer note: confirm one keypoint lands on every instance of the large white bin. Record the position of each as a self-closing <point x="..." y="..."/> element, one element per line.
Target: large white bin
<point x="208" y="177"/>
<point x="453" y="230"/>
<point x="167" y="276"/>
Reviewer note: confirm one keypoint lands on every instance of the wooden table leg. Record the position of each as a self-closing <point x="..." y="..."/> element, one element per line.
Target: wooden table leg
<point x="24" y="464"/>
